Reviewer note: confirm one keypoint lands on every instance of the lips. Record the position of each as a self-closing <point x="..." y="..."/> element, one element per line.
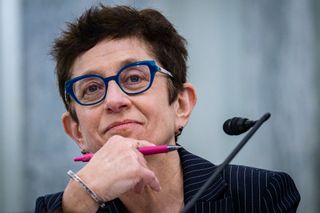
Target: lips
<point x="122" y="124"/>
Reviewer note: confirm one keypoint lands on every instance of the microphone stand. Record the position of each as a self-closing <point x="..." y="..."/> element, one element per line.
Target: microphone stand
<point x="235" y="151"/>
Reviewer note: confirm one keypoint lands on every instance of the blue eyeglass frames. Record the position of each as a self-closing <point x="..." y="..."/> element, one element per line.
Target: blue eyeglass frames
<point x="133" y="79"/>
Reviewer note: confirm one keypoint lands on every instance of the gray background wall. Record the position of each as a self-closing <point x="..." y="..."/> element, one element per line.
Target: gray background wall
<point x="246" y="58"/>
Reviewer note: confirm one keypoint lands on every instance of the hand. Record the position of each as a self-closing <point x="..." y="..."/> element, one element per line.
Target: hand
<point x="117" y="168"/>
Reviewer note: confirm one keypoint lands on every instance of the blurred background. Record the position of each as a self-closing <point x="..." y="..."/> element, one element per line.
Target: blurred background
<point x="246" y="58"/>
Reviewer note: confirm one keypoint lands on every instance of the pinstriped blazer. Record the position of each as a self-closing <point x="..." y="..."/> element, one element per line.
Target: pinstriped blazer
<point x="238" y="189"/>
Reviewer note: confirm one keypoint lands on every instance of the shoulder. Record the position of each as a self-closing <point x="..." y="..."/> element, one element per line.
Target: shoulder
<point x="237" y="175"/>
<point x="249" y="189"/>
<point x="49" y="203"/>
<point x="263" y="189"/>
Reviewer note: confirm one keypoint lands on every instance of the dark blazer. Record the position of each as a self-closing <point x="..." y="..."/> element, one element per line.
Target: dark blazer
<point x="238" y="189"/>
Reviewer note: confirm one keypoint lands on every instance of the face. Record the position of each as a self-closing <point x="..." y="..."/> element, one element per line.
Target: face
<point x="146" y="116"/>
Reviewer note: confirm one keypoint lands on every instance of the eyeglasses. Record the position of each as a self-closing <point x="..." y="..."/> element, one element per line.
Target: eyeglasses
<point x="133" y="79"/>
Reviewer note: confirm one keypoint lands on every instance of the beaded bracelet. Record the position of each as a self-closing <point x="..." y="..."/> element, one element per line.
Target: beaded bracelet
<point x="92" y="194"/>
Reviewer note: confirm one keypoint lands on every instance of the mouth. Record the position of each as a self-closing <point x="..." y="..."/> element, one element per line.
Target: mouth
<point x="122" y="124"/>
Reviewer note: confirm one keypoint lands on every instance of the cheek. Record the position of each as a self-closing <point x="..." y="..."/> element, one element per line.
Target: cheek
<point x="89" y="125"/>
<point x="164" y="127"/>
<point x="160" y="112"/>
<point x="161" y="119"/>
<point x="88" y="120"/>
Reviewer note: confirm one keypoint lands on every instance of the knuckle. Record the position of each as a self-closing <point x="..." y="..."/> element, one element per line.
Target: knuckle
<point x="115" y="138"/>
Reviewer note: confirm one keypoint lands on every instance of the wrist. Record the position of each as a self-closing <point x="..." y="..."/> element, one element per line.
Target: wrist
<point x="86" y="188"/>
<point x="76" y="199"/>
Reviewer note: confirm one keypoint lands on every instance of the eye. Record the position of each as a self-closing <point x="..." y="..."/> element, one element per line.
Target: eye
<point x="135" y="78"/>
<point x="92" y="88"/>
<point x="89" y="89"/>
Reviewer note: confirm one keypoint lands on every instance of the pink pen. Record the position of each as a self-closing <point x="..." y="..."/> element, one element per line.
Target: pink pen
<point x="146" y="150"/>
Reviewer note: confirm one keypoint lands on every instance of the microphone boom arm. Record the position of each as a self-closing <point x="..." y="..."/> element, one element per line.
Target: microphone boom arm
<point x="235" y="151"/>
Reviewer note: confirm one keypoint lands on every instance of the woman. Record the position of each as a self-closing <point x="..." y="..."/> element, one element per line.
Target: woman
<point x="122" y="77"/>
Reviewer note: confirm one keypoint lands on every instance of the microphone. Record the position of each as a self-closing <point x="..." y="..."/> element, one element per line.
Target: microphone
<point x="219" y="169"/>
<point x="237" y="126"/>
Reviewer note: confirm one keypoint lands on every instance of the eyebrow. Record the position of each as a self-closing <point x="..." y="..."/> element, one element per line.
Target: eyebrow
<point x="122" y="64"/>
<point x="128" y="61"/>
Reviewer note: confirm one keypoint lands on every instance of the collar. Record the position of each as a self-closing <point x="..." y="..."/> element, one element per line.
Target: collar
<point x="196" y="171"/>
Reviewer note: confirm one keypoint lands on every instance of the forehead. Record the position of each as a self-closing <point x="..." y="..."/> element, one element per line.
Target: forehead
<point x="109" y="55"/>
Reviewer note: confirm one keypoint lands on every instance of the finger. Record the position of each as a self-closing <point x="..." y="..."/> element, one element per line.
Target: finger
<point x="139" y="187"/>
<point x="142" y="161"/>
<point x="141" y="143"/>
<point x="155" y="185"/>
<point x="151" y="180"/>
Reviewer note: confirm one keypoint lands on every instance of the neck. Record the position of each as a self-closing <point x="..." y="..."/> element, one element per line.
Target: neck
<point x="168" y="170"/>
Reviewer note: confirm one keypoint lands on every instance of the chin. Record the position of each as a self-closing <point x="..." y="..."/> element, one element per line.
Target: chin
<point x="127" y="134"/>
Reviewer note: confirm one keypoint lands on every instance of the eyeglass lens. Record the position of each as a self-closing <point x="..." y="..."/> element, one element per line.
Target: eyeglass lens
<point x="131" y="80"/>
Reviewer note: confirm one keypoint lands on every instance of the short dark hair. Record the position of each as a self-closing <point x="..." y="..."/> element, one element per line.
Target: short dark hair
<point x="101" y="22"/>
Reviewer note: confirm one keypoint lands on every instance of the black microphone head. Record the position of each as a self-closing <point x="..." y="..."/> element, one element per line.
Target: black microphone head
<point x="237" y="126"/>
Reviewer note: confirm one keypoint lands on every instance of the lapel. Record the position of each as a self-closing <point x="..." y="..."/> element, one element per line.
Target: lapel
<point x="196" y="171"/>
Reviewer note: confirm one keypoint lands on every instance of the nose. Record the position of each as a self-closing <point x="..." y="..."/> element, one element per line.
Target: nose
<point x="116" y="100"/>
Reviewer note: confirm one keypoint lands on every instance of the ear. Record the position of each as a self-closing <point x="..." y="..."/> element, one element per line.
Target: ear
<point x="184" y="104"/>
<point x="71" y="127"/>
